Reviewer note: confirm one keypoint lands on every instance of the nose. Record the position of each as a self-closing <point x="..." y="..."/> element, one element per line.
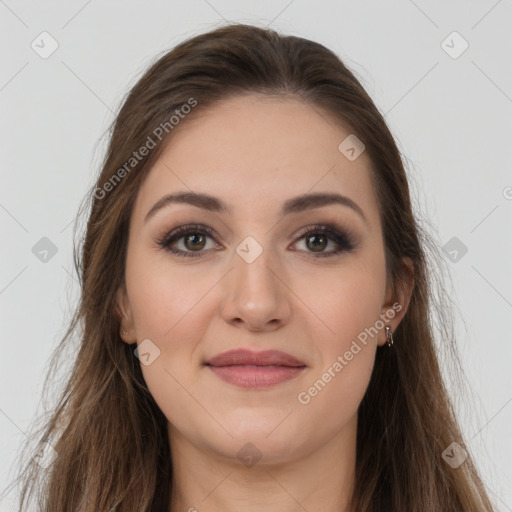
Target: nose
<point x="255" y="297"/>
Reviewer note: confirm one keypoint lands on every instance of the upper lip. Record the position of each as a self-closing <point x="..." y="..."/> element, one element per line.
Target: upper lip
<point x="246" y="357"/>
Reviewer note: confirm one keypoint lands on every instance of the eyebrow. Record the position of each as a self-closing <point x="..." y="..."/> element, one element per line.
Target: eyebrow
<point x="294" y="205"/>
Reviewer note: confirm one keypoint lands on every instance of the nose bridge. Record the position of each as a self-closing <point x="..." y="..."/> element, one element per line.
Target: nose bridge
<point x="253" y="264"/>
<point x="255" y="295"/>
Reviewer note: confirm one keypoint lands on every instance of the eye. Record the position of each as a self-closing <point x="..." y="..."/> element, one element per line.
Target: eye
<point x="194" y="240"/>
<point x="317" y="238"/>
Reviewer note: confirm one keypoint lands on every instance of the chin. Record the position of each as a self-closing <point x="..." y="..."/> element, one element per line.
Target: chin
<point x="262" y="451"/>
<point x="265" y="437"/>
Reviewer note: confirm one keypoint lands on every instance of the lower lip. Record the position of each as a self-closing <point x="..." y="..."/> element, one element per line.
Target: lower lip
<point x="251" y="376"/>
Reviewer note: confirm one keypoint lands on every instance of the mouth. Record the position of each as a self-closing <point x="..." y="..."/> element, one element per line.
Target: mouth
<point x="247" y="369"/>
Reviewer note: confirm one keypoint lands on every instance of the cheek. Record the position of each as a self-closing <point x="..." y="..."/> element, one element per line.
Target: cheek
<point x="164" y="298"/>
<point x="334" y="389"/>
<point x="348" y="305"/>
<point x="168" y="306"/>
<point x="331" y="400"/>
<point x="346" y="301"/>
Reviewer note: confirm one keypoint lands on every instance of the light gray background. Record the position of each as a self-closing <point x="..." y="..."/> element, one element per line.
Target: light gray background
<point x="452" y="119"/>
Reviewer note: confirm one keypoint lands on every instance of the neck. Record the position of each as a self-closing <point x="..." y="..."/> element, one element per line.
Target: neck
<point x="322" y="479"/>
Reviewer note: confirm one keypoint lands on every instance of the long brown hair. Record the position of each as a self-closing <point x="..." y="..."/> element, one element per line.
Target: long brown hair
<point x="109" y="434"/>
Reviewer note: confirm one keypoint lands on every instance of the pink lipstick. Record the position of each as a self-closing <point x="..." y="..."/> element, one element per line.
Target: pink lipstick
<point x="248" y="369"/>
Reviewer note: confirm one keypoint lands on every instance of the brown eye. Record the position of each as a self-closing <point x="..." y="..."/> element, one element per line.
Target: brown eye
<point x="189" y="241"/>
<point x="195" y="241"/>
<point x="317" y="238"/>
<point x="316" y="243"/>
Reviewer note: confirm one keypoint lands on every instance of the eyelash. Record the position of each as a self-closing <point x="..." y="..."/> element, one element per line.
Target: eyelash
<point x="344" y="239"/>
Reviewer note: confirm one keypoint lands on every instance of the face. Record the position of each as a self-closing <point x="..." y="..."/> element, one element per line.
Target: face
<point x="266" y="273"/>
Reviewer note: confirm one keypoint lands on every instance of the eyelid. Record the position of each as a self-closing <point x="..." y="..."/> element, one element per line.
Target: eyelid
<point x="329" y="228"/>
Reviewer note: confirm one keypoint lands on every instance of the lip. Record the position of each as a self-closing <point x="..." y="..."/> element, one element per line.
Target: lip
<point x="248" y="369"/>
<point x="248" y="357"/>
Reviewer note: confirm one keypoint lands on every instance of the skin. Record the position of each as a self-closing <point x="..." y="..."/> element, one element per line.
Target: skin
<point x="254" y="152"/>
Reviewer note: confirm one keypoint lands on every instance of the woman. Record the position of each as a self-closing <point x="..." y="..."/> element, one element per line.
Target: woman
<point x="255" y="317"/>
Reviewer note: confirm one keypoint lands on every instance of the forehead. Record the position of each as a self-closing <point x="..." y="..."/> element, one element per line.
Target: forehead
<point x="254" y="152"/>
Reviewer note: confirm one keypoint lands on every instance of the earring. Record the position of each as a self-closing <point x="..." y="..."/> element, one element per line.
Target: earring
<point x="124" y="333"/>
<point x="389" y="336"/>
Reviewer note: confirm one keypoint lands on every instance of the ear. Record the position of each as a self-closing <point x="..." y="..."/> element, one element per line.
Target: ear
<point x="398" y="296"/>
<point x="124" y="312"/>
